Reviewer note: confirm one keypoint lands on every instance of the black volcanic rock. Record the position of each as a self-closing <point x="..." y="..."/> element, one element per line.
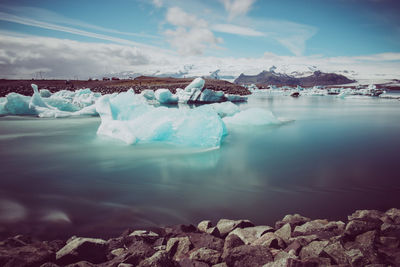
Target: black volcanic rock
<point x="273" y="78"/>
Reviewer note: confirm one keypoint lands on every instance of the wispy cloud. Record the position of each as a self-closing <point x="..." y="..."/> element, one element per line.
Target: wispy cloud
<point x="235" y="29"/>
<point x="55" y="27"/>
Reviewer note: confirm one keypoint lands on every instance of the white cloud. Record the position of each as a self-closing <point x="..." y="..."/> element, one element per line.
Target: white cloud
<point x="237" y="7"/>
<point x="55" y="27"/>
<point x="191" y="36"/>
<point x="235" y="29"/>
<point x="158" y="3"/>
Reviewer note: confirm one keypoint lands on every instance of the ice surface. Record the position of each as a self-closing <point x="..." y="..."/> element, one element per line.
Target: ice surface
<point x="211" y="96"/>
<point x="225" y="109"/>
<point x="197" y="83"/>
<point x="164" y="96"/>
<point x="45" y="93"/>
<point x="17" y="104"/>
<point x="252" y="116"/>
<point x="148" y="94"/>
<point x="186" y="96"/>
<point x="127" y="117"/>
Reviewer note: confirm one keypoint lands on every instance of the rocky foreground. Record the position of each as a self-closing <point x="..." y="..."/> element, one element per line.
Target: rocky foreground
<point x="369" y="238"/>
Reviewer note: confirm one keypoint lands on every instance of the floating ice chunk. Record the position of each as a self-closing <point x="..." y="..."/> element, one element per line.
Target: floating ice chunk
<point x="211" y="96"/>
<point x="3" y="102"/>
<point x="61" y="104"/>
<point x="187" y="96"/>
<point x="148" y="94"/>
<point x="17" y="104"/>
<point x="128" y="118"/>
<point x="197" y="83"/>
<point x="225" y="109"/>
<point x="164" y="96"/>
<point x="253" y="116"/>
<point x="36" y="100"/>
<point x="44" y="93"/>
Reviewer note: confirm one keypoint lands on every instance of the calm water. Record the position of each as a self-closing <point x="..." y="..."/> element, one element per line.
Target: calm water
<point x="58" y="178"/>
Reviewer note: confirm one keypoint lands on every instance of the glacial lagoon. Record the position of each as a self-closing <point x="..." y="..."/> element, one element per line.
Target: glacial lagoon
<point x="59" y="178"/>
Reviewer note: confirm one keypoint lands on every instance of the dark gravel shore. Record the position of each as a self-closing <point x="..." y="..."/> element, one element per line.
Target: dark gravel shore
<point x="105" y="87"/>
<point x="368" y="238"/>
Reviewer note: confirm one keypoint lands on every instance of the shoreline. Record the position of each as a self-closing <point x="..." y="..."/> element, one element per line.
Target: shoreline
<point x="367" y="238"/>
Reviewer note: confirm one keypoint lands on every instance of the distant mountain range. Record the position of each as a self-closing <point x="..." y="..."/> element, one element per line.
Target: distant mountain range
<point x="272" y="78"/>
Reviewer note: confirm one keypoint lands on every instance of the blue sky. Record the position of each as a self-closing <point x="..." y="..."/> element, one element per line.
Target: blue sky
<point x="220" y="30"/>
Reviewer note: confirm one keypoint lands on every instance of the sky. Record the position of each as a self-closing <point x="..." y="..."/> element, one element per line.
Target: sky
<point x="65" y="39"/>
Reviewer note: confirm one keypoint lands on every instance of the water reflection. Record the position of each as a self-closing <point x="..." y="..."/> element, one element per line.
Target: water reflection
<point x="58" y="178"/>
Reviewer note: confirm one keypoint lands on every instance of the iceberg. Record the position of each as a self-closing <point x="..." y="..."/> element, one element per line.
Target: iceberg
<point x="129" y="118"/>
<point x="253" y="116"/>
<point x="44" y="93"/>
<point x="164" y="96"/>
<point x="197" y="83"/>
<point x="148" y="94"/>
<point x="17" y="104"/>
<point x="211" y="96"/>
<point x="225" y="109"/>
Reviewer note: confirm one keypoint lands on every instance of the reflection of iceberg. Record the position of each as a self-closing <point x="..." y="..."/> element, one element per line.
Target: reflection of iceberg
<point x="253" y="116"/>
<point x="129" y="118"/>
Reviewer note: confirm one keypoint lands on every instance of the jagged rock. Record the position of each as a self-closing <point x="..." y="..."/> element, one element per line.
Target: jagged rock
<point x="26" y="256"/>
<point x="304" y="240"/>
<point x="250" y="234"/>
<point x="366" y="215"/>
<point x="206" y="255"/>
<point x="81" y="264"/>
<point x="213" y="231"/>
<point x="117" y="252"/>
<point x="284" y="232"/>
<point x="294" y="220"/>
<point x="270" y="240"/>
<point x="203" y="240"/>
<point x="125" y="265"/>
<point x="281" y="260"/>
<point x="179" y="247"/>
<point x="355" y="227"/>
<point x="49" y="264"/>
<point x="231" y="241"/>
<point x="394" y="214"/>
<point x="226" y="226"/>
<point x="389" y="242"/>
<point x="204" y="226"/>
<point x="158" y="259"/>
<point x="336" y="252"/>
<point x="222" y="264"/>
<point x="392" y="230"/>
<point x="356" y="257"/>
<point x="391" y="255"/>
<point x="248" y="255"/>
<point x="134" y="254"/>
<point x="313" y="250"/>
<point x="144" y="235"/>
<point x="295" y="246"/>
<point x="322" y="228"/>
<point x="80" y="249"/>
<point x="186" y="262"/>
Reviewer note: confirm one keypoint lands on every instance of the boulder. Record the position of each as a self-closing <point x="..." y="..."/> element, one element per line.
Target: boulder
<point x="356" y="257"/>
<point x="313" y="250"/>
<point x="367" y="215"/>
<point x="394" y="214"/>
<point x="293" y="219"/>
<point x="226" y="226"/>
<point x="337" y="253"/>
<point x="135" y="253"/>
<point x="322" y="228"/>
<point x="284" y="232"/>
<point x="158" y="259"/>
<point x="248" y="256"/>
<point x="250" y="234"/>
<point x="303" y="240"/>
<point x="178" y="247"/>
<point x="206" y="255"/>
<point x="28" y="255"/>
<point x="231" y="241"/>
<point x="82" y="249"/>
<point x="270" y="240"/>
<point x="389" y="242"/>
<point x="186" y="262"/>
<point x="82" y="264"/>
<point x="392" y="230"/>
<point x="203" y="240"/>
<point x="354" y="228"/>
<point x="204" y="226"/>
